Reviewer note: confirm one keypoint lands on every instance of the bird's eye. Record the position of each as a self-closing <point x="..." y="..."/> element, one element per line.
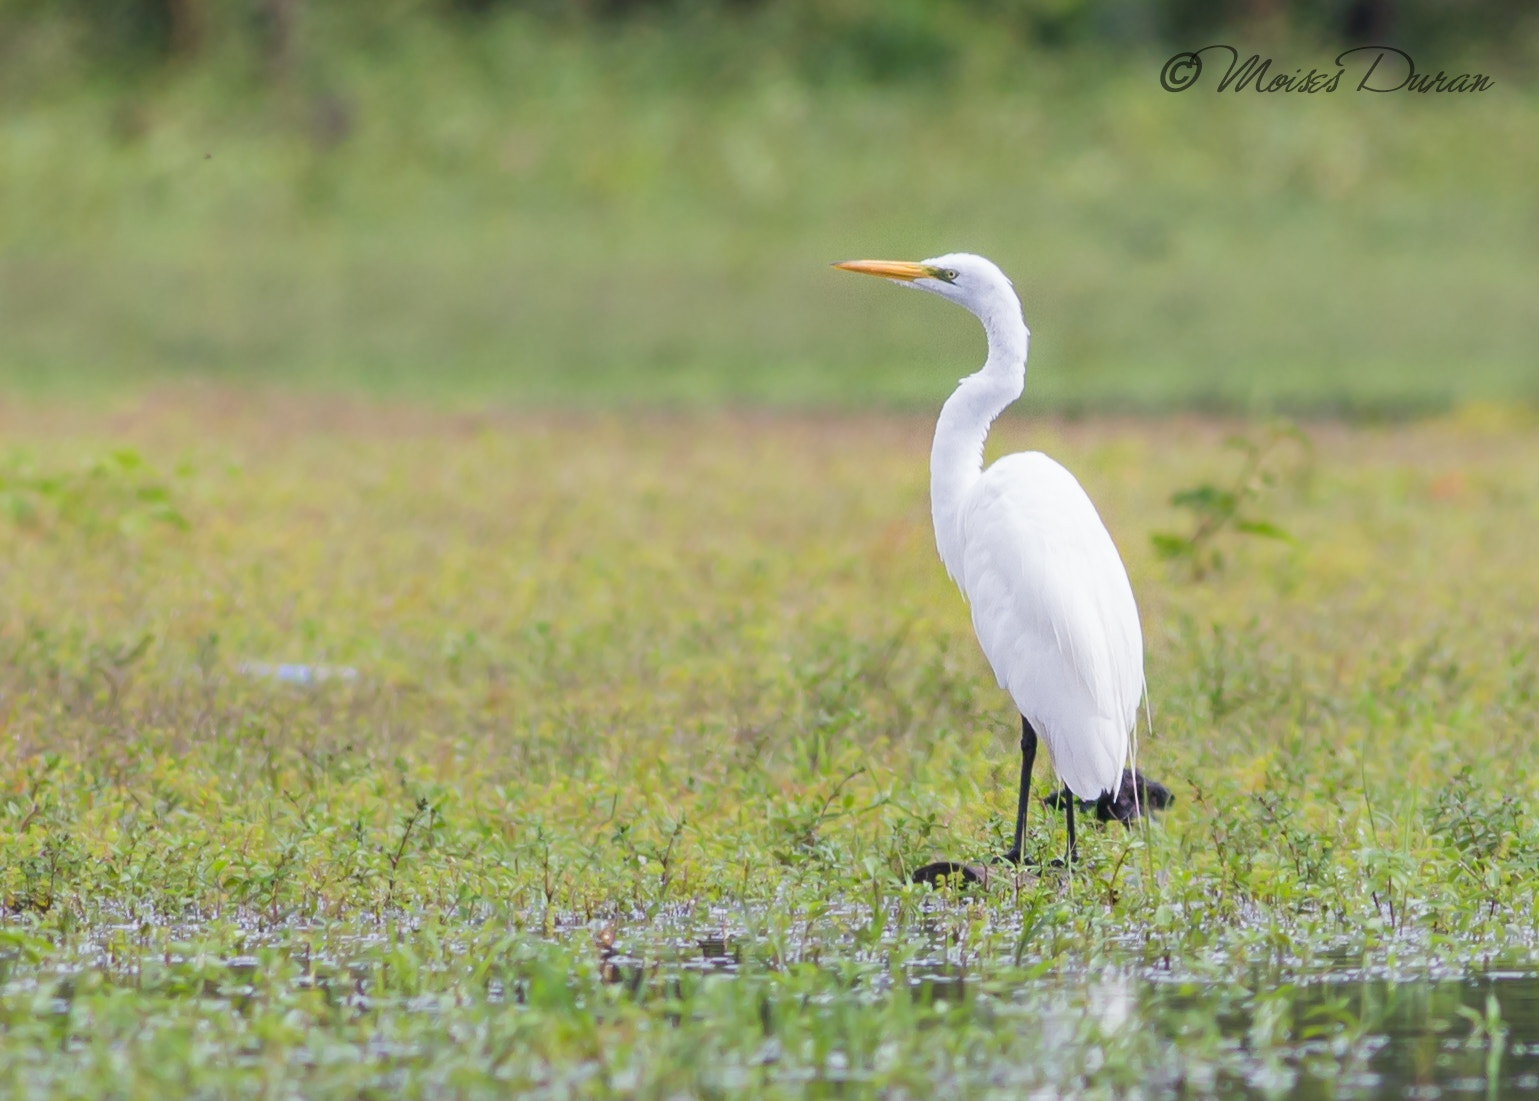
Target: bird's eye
<point x="949" y="276"/>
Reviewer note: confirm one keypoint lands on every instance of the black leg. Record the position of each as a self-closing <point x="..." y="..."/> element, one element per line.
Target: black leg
<point x="1068" y="818"/>
<point x="1028" y="759"/>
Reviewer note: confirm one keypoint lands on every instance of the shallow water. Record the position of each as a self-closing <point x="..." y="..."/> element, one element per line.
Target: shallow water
<point x="1346" y="1027"/>
<point x="1344" y="1036"/>
<point x="1345" y="1020"/>
<point x="1437" y="1038"/>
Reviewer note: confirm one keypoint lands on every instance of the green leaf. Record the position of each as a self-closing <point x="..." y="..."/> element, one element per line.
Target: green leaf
<point x="127" y="458"/>
<point x="1170" y="546"/>
<point x="1262" y="528"/>
<point x="1206" y="498"/>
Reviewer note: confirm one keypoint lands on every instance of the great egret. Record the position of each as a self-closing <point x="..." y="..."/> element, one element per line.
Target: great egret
<point x="1051" y="603"/>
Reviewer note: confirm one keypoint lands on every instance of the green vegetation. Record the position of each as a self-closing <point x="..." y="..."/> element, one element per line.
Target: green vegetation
<point x="421" y="676"/>
<point x="1217" y="510"/>
<point x="542" y="211"/>
<point x="651" y="715"/>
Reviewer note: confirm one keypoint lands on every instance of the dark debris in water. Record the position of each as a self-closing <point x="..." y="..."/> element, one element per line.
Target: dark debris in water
<point x="937" y="872"/>
<point x="968" y="874"/>
<point x="1151" y="795"/>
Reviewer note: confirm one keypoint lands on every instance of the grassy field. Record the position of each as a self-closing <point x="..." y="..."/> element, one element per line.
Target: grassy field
<point x="542" y="215"/>
<point x="634" y="725"/>
<point x="470" y="621"/>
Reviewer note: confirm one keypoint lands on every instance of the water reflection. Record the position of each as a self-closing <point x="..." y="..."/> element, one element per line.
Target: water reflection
<point x="1348" y="1022"/>
<point x="1477" y="1036"/>
<point x="1350" y="1030"/>
<point x="1337" y="1036"/>
<point x="1345" y="1036"/>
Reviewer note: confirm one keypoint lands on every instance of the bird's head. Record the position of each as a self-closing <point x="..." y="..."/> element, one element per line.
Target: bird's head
<point x="967" y="280"/>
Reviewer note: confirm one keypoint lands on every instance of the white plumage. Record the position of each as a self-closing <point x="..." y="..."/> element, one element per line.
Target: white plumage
<point x="1051" y="603"/>
<point x="1054" y="614"/>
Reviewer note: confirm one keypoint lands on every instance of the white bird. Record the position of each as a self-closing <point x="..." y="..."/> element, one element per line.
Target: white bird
<point x="1050" y="598"/>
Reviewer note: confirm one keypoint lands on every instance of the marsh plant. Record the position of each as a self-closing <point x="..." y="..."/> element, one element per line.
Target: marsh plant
<point x="1279" y="455"/>
<point x="649" y="727"/>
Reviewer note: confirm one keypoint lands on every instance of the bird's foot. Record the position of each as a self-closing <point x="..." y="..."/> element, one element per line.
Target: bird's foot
<point x="1011" y="857"/>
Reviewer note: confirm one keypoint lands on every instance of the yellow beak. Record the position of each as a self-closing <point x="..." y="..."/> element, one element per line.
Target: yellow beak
<point x="901" y="270"/>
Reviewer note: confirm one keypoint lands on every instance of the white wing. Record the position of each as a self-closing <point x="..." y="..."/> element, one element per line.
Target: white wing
<point x="1055" y="614"/>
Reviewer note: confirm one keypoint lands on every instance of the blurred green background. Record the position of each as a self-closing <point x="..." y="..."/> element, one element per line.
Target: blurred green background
<point x="611" y="202"/>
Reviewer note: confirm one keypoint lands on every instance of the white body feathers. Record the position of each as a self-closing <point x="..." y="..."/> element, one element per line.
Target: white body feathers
<point x="1051" y="603"/>
<point x="1054" y="614"/>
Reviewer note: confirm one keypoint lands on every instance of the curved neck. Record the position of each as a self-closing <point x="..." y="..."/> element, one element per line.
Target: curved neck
<point x="956" y="457"/>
